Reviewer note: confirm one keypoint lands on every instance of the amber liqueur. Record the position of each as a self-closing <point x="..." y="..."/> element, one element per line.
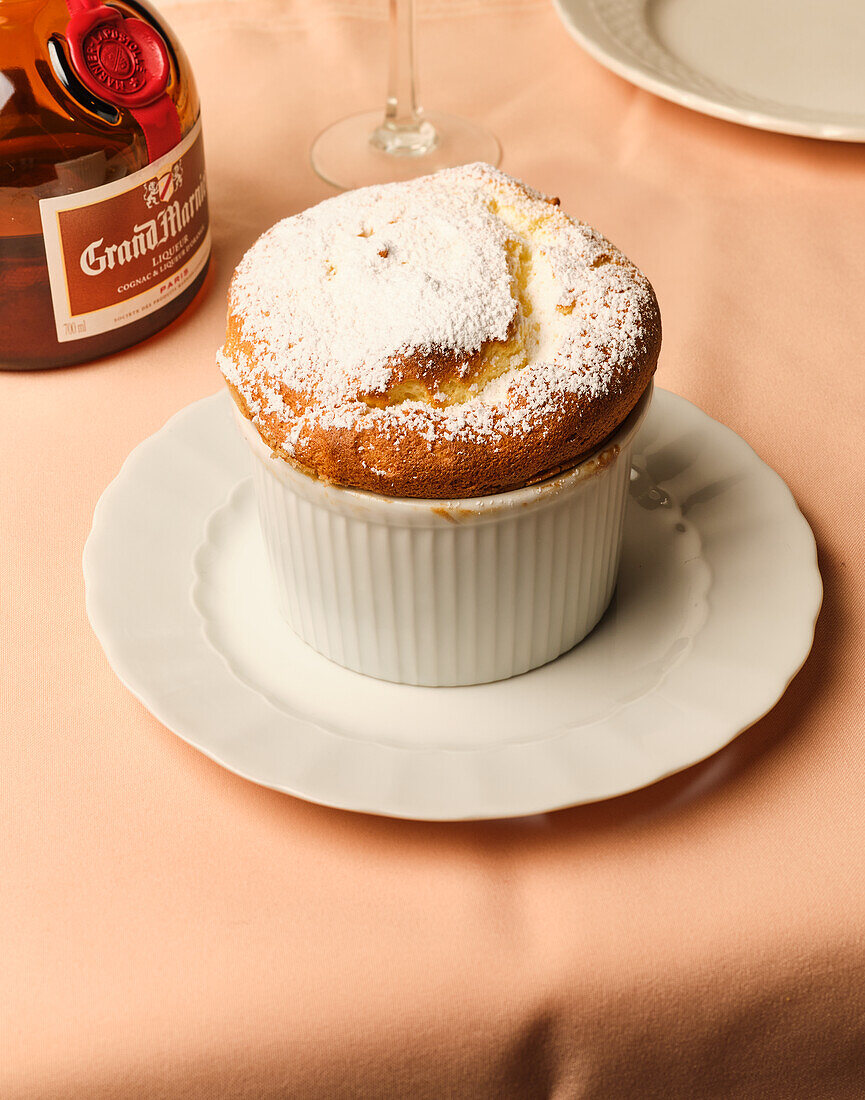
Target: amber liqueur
<point x="104" y="228"/>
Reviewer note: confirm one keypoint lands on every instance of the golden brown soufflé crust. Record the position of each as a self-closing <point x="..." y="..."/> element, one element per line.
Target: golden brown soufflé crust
<point x="450" y="337"/>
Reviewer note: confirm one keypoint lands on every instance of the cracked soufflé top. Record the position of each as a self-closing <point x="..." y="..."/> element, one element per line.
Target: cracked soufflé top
<point x="452" y="336"/>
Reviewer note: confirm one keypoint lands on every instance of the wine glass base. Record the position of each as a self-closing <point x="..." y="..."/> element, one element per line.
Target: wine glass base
<point x="347" y="153"/>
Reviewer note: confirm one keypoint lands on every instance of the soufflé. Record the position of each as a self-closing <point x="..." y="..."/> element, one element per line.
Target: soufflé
<point x="400" y="350"/>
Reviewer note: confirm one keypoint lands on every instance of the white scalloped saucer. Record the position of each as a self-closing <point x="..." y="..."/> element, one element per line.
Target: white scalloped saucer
<point x="713" y="615"/>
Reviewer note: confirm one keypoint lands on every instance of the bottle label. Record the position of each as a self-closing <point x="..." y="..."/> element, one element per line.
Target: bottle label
<point x="118" y="252"/>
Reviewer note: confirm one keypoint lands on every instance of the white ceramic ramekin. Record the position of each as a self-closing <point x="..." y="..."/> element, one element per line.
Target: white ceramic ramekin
<point x="440" y="592"/>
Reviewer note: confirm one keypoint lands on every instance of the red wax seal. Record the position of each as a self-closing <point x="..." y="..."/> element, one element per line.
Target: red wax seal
<point x="114" y="60"/>
<point x="124" y="61"/>
<point x="121" y="60"/>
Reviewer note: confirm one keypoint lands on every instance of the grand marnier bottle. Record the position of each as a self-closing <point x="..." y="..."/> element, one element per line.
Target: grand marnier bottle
<point x="104" y="234"/>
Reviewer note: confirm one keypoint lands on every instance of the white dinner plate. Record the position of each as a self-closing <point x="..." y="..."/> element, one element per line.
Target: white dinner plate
<point x="795" y="66"/>
<point x="713" y="614"/>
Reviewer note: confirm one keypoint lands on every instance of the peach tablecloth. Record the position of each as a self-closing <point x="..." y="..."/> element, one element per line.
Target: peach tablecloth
<point x="169" y="930"/>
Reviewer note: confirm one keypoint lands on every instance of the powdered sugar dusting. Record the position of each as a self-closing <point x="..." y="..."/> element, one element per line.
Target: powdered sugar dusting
<point x="333" y="299"/>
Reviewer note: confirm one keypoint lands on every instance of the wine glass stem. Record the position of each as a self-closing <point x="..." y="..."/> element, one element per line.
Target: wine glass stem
<point x="403" y="131"/>
<point x="402" y="107"/>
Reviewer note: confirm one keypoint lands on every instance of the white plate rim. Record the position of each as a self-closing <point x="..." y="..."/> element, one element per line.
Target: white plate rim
<point x="101" y="614"/>
<point x="581" y="23"/>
